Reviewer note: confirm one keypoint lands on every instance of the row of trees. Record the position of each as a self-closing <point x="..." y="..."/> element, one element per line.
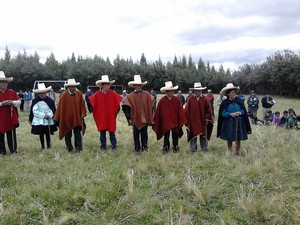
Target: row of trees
<point x="280" y="74"/>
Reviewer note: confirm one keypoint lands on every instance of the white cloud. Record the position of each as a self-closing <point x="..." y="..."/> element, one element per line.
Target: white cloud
<point x="228" y="33"/>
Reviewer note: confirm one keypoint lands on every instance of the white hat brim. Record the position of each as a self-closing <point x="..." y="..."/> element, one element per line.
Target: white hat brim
<point x="8" y="79"/>
<point x="72" y="84"/>
<point x="223" y="91"/>
<point x="132" y="83"/>
<point x="99" y="82"/>
<point x="165" y="89"/>
<point x="198" y="89"/>
<point x="37" y="91"/>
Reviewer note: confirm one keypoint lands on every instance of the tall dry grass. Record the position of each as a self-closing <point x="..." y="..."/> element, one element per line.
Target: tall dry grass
<point x="122" y="187"/>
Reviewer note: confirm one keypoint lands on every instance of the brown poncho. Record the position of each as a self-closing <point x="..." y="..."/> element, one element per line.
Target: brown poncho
<point x="141" y="105"/>
<point x="69" y="113"/>
<point x="198" y="112"/>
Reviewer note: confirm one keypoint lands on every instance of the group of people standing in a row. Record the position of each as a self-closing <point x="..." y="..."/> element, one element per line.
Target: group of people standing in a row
<point x="168" y="119"/>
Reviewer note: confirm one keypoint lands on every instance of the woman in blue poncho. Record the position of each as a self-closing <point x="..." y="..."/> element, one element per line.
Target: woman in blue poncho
<point x="233" y="122"/>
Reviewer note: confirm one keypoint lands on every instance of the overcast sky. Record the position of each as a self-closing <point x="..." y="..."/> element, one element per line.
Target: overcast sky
<point x="228" y="32"/>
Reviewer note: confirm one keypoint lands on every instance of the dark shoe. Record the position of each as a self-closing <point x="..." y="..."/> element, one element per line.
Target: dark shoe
<point x="137" y="150"/>
<point x="114" y="148"/>
<point x="176" y="149"/>
<point x="70" y="149"/>
<point x="145" y="148"/>
<point x="165" y="149"/>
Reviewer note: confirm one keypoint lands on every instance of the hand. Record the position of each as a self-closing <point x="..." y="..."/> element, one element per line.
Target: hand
<point x="130" y="121"/>
<point x="82" y="117"/>
<point x="46" y="117"/>
<point x="6" y="102"/>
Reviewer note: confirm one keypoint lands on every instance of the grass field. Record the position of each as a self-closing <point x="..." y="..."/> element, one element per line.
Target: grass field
<point x="122" y="187"/>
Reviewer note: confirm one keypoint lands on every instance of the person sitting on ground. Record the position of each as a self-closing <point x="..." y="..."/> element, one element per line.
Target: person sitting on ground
<point x="269" y="117"/>
<point x="283" y="119"/>
<point x="291" y="119"/>
<point x="276" y="119"/>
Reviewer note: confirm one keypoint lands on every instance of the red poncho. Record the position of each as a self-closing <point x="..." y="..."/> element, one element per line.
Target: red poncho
<point x="9" y="118"/>
<point x="169" y="115"/>
<point x="198" y="112"/>
<point x="105" y="109"/>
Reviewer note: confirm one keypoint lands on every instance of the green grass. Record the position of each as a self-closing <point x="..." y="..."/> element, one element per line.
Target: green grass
<point x="122" y="187"/>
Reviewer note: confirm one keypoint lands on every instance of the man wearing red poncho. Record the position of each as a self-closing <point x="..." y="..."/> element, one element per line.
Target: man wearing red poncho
<point x="9" y="119"/>
<point x="169" y="116"/>
<point x="106" y="106"/>
<point x="199" y="118"/>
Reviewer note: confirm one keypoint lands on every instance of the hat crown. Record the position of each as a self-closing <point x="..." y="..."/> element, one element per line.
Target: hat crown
<point x="71" y="81"/>
<point x="230" y="85"/>
<point x="41" y="86"/>
<point x="137" y="78"/>
<point x="197" y="85"/>
<point x="104" y="78"/>
<point x="168" y="84"/>
<point x="2" y="74"/>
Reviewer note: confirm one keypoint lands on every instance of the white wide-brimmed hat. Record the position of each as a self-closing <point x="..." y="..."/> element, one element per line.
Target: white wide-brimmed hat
<point x="229" y="86"/>
<point x="168" y="87"/>
<point x="104" y="79"/>
<point x="41" y="88"/>
<point x="197" y="87"/>
<point x="137" y="81"/>
<point x="71" y="83"/>
<point x="4" y="78"/>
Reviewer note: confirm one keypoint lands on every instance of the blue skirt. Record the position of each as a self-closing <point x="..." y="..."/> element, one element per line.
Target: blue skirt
<point x="233" y="129"/>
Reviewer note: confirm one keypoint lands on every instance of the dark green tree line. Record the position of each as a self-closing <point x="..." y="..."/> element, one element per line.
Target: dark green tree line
<point x="279" y="74"/>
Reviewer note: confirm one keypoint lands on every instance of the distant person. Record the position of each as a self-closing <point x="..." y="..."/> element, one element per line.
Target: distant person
<point x="267" y="103"/>
<point x="211" y="100"/>
<point x="52" y="95"/>
<point x="199" y="119"/>
<point x="169" y="118"/>
<point x="220" y="99"/>
<point x="61" y="91"/>
<point x="291" y="119"/>
<point x="253" y="104"/>
<point x="70" y="115"/>
<point x="283" y="119"/>
<point x="189" y="95"/>
<point x="28" y="99"/>
<point x="124" y="95"/>
<point x="21" y="96"/>
<point x="9" y="118"/>
<point x="89" y="93"/>
<point x="138" y="109"/>
<point x="241" y="96"/>
<point x="153" y="93"/>
<point x="181" y="97"/>
<point x="41" y="115"/>
<point x="268" y="117"/>
<point x="276" y="119"/>
<point x="106" y="106"/>
<point x="233" y="122"/>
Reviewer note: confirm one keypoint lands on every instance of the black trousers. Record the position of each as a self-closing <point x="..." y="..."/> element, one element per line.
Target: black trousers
<point x="78" y="139"/>
<point x="174" y="140"/>
<point x="42" y="140"/>
<point x="11" y="141"/>
<point x="143" y="133"/>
